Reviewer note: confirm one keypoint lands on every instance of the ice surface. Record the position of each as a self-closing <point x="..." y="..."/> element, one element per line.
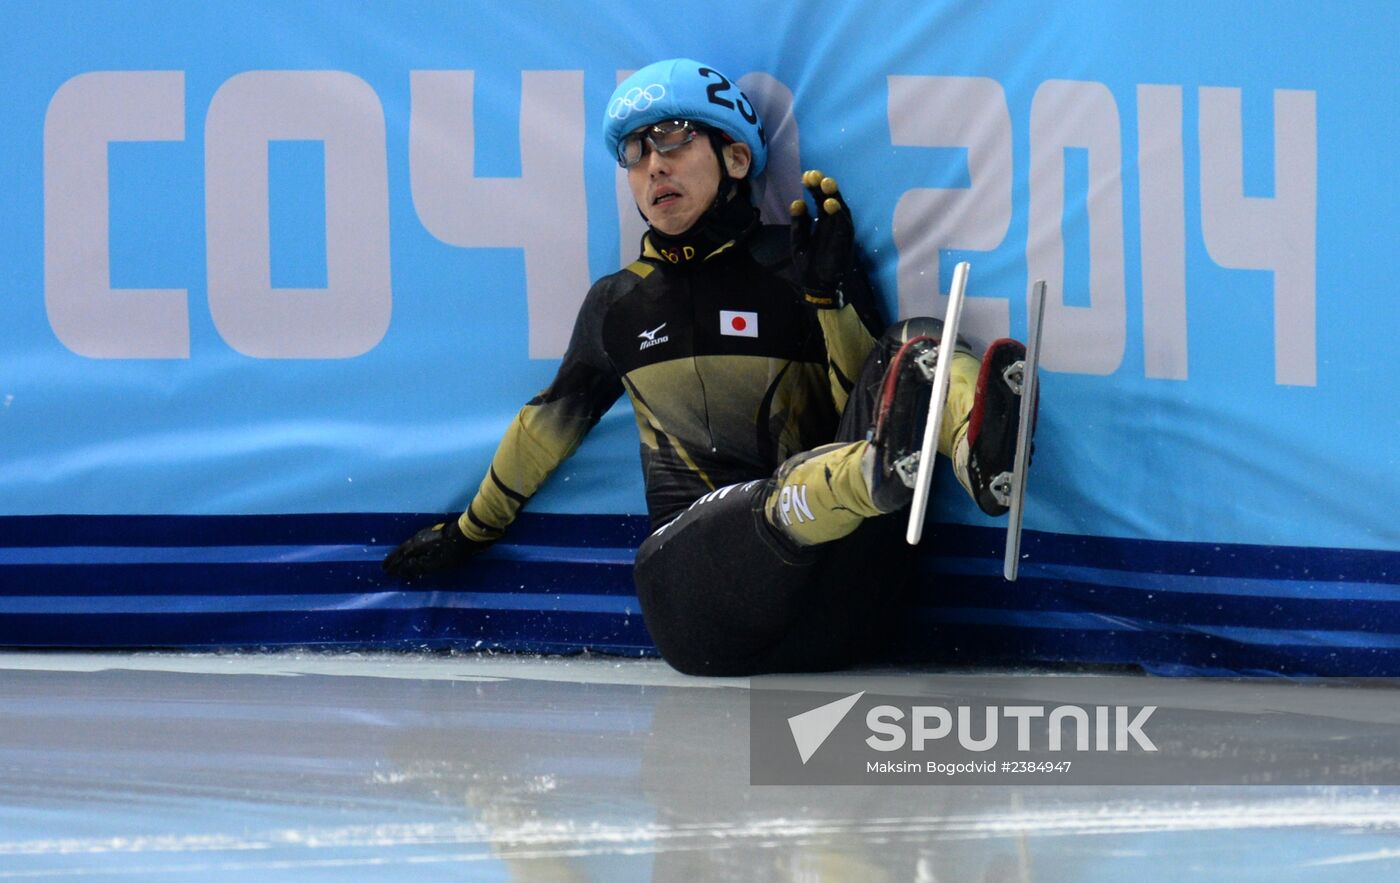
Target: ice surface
<point x="315" y="766"/>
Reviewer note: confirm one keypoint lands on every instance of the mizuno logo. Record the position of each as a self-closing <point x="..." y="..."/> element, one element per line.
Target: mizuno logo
<point x="649" y="338"/>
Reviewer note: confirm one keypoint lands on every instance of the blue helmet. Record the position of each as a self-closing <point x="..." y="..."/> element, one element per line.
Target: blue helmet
<point x="684" y="89"/>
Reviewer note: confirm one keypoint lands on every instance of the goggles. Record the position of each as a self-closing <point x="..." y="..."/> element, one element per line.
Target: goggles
<point x="663" y="137"/>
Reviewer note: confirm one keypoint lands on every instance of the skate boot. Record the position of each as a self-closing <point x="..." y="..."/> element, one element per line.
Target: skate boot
<point x="900" y="415"/>
<point x="984" y="459"/>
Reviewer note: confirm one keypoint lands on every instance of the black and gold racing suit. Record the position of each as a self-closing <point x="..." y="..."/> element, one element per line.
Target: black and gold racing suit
<point x="729" y="374"/>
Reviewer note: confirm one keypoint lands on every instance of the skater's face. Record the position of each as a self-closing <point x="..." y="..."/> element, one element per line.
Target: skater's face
<point x="674" y="187"/>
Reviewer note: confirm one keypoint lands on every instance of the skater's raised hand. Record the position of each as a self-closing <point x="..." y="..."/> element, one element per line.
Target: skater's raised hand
<point x="440" y="547"/>
<point x="822" y="250"/>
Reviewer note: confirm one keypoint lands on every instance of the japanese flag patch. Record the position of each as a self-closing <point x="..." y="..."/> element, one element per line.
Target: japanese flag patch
<point x="738" y="323"/>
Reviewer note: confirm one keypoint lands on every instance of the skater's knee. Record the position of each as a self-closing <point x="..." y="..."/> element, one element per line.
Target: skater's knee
<point x="919" y="326"/>
<point x="906" y="330"/>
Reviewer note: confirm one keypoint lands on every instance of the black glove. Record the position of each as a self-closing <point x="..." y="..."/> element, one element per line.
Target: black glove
<point x="822" y="251"/>
<point x="435" y="548"/>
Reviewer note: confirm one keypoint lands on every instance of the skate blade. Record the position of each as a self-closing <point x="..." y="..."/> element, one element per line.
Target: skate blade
<point x="938" y="396"/>
<point x="1021" y="464"/>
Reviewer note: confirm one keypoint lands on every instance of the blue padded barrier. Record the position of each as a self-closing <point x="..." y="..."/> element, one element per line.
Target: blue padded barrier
<point x="563" y="584"/>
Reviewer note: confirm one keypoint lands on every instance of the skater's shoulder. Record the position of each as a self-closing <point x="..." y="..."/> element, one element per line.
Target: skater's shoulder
<point x="771" y="247"/>
<point x="614" y="285"/>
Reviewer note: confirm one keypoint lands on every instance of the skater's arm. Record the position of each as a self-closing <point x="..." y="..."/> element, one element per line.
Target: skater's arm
<point x="831" y="280"/>
<point x="848" y="343"/>
<point x="542" y="435"/>
<point x="550" y="427"/>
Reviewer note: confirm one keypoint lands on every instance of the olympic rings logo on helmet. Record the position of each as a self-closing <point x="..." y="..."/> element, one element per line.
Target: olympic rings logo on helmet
<point x="636" y="99"/>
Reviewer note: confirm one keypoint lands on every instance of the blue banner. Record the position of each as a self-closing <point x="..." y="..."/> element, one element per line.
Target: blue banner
<point x="310" y="257"/>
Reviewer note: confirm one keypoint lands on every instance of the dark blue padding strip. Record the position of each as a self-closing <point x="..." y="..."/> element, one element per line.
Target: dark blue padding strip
<point x="1285" y="563"/>
<point x="422" y="628"/>
<point x="563" y="584"/>
<point x="335" y="529"/>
